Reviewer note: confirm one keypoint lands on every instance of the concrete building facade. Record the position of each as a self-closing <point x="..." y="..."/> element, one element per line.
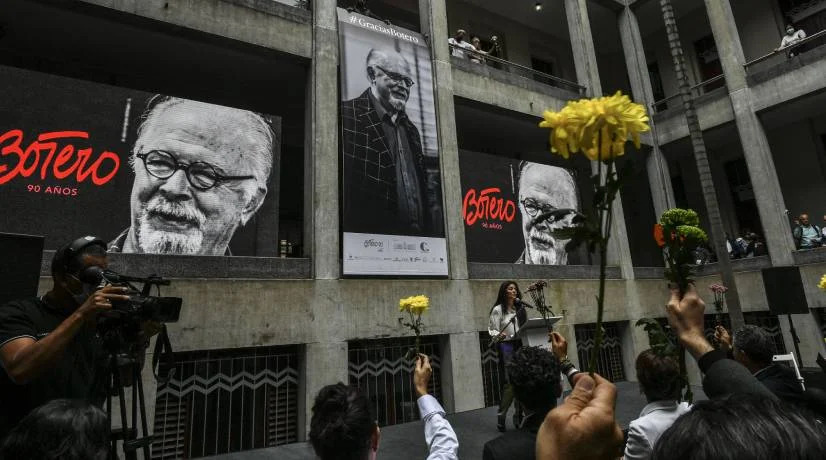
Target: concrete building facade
<point x="762" y="120"/>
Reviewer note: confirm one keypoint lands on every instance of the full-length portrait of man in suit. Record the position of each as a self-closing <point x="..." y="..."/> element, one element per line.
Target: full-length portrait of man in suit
<point x="384" y="179"/>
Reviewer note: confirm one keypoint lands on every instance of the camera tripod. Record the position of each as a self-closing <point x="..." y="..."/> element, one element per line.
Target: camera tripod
<point x="124" y="369"/>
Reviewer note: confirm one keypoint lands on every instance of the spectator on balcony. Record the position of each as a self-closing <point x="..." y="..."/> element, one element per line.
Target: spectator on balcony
<point x="792" y="36"/>
<point x="479" y="56"/>
<point x="458" y="44"/>
<point x="806" y="235"/>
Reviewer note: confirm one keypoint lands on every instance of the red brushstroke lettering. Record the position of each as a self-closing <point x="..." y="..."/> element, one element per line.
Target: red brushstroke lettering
<point x="487" y="205"/>
<point x="40" y="154"/>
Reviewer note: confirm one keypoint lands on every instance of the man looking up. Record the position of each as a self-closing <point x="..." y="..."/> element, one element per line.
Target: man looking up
<point x="201" y="171"/>
<point x="48" y="346"/>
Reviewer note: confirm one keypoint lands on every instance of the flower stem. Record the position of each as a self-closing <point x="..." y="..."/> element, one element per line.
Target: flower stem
<point x="605" y="215"/>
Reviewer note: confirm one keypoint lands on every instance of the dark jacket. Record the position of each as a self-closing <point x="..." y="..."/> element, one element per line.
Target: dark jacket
<point x="518" y="444"/>
<point x="725" y="377"/>
<point x="368" y="178"/>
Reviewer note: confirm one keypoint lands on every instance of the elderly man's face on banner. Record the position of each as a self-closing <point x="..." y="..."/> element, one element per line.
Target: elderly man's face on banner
<point x="390" y="75"/>
<point x="201" y="171"/>
<point x="546" y="189"/>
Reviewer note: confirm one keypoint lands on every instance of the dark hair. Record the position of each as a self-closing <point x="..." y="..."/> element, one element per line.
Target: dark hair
<point x="503" y="291"/>
<point x="742" y="428"/>
<point x="500" y="300"/>
<point x="534" y="373"/>
<point x="756" y="343"/>
<point x="342" y="424"/>
<point x="61" y="429"/>
<point x="659" y="376"/>
<point x="63" y="262"/>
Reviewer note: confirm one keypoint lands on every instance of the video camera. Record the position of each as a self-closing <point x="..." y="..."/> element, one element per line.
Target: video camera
<point x="140" y="305"/>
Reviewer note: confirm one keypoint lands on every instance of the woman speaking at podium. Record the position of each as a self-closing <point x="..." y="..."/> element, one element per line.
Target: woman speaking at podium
<point x="505" y="320"/>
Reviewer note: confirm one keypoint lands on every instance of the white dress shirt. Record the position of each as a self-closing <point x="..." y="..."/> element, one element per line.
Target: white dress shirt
<point x="655" y="418"/>
<point x="498" y="321"/>
<point x="439" y="435"/>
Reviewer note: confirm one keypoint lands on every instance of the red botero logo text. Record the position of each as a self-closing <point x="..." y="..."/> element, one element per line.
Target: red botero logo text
<point x="54" y="155"/>
<point x="487" y="205"/>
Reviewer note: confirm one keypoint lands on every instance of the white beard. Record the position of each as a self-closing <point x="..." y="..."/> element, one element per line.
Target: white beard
<point x="553" y="256"/>
<point x="152" y="240"/>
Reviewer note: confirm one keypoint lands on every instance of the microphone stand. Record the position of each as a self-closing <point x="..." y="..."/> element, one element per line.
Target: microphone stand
<point x="494" y="341"/>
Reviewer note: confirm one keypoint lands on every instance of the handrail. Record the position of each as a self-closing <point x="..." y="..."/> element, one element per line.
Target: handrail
<point x="487" y="57"/>
<point x="691" y="89"/>
<point x="786" y="49"/>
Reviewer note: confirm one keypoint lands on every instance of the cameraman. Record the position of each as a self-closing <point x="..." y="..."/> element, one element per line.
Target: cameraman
<point x="49" y="348"/>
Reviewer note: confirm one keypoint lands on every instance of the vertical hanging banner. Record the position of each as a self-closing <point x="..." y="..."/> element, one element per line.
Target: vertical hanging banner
<point x="392" y="219"/>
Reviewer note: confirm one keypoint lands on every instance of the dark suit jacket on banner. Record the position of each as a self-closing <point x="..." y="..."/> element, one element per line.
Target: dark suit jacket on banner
<point x="369" y="173"/>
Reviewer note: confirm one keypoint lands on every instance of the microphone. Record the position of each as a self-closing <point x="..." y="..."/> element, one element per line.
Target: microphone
<point x="521" y="302"/>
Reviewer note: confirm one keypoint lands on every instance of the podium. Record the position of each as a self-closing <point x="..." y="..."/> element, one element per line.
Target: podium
<point x="534" y="333"/>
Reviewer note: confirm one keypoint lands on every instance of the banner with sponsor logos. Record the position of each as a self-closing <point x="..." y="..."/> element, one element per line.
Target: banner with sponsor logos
<point x="147" y="173"/>
<point x="392" y="219"/>
<point x="504" y="201"/>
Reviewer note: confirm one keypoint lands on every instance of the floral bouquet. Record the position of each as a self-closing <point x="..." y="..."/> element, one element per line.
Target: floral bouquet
<point x="598" y="128"/>
<point x="414" y="306"/>
<point x="678" y="233"/>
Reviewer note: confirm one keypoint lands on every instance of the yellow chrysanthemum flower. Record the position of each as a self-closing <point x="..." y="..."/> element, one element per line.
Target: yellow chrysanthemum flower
<point x="415" y="304"/>
<point x="598" y="127"/>
<point x="822" y="283"/>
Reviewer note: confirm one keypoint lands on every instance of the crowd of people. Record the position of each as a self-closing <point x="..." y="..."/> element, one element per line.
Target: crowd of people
<point x="757" y="409"/>
<point x="473" y="49"/>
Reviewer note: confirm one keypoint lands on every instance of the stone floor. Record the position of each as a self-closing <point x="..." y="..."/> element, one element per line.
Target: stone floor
<point x="474" y="428"/>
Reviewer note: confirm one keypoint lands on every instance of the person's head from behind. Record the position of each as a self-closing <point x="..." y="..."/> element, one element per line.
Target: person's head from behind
<point x="742" y="428"/>
<point x="547" y="202"/>
<point x="753" y="347"/>
<point x="69" y="261"/>
<point x="659" y="376"/>
<point x="508" y="292"/>
<point x="534" y="374"/>
<point x="201" y="171"/>
<point x="60" y="429"/>
<point x="342" y="426"/>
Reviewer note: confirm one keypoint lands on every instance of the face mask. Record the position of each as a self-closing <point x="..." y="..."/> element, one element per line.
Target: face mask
<point x="86" y="291"/>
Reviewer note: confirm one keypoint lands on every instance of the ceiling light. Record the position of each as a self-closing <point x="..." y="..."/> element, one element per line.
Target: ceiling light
<point x="538" y="6"/>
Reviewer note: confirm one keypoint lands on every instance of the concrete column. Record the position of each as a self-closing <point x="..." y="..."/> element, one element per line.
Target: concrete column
<point x="582" y="45"/>
<point x="322" y="165"/>
<point x="462" y="387"/>
<point x="587" y="74"/>
<point x="811" y="339"/>
<point x="322" y="364"/>
<point x="659" y="178"/>
<point x="433" y="15"/>
<point x="756" y="149"/>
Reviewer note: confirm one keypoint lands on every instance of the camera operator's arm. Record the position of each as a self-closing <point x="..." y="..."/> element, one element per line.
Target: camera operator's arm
<point x="25" y="358"/>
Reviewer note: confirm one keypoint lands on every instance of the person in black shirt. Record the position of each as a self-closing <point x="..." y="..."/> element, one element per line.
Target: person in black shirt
<point x="48" y="345"/>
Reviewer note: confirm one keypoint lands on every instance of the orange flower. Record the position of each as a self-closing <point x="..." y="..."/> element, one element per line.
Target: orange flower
<point x="659" y="237"/>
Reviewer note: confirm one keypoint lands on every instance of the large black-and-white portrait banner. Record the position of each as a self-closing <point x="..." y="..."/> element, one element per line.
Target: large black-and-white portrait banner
<point x="392" y="218"/>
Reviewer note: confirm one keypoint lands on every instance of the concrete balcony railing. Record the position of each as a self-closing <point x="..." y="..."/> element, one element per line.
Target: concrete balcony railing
<point x="786" y="59"/>
<point x="696" y="91"/>
<point x="495" y="67"/>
